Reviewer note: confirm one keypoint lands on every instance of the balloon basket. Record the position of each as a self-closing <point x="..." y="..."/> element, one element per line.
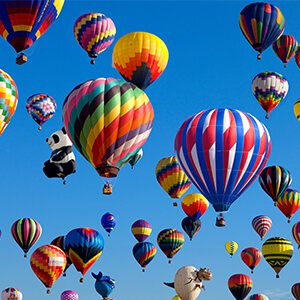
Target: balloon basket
<point x="81" y="280"/>
<point x="170" y="261"/>
<point x="64" y="275"/>
<point x="48" y="291"/>
<point x="191" y="239"/>
<point x="261" y="239"/>
<point x="285" y="65"/>
<point x="175" y="204"/>
<point x="289" y="221"/>
<point x="21" y="59"/>
<point x="267" y="116"/>
<point x="40" y="128"/>
<point x="275" y="204"/>
<point x="25" y="255"/>
<point x="258" y="56"/>
<point x="64" y="182"/>
<point x="277" y="276"/>
<point x="252" y="272"/>
<point x="92" y="62"/>
<point x="143" y="270"/>
<point x="107" y="191"/>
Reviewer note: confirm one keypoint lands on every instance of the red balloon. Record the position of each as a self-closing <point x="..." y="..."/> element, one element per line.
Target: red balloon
<point x="251" y="257"/>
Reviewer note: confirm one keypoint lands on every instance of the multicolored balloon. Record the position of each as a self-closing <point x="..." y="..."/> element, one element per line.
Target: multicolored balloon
<point x="288" y="203"/>
<point x="69" y="295"/>
<point x="171" y="177"/>
<point x="194" y="205"/>
<point x="190" y="226"/>
<point x="285" y="47"/>
<point x="277" y="251"/>
<point x="94" y="32"/>
<point x="297" y="55"/>
<point x="261" y="224"/>
<point x="11" y="294"/>
<point x="48" y="262"/>
<point x="135" y="158"/>
<point x="296" y="290"/>
<point x="258" y="297"/>
<point x="127" y="124"/>
<point x="144" y="252"/>
<point x="231" y="247"/>
<point x="23" y="22"/>
<point x="140" y="58"/>
<point x="240" y="286"/>
<point x="141" y="229"/>
<point x="170" y="242"/>
<point x="26" y="233"/>
<point x="108" y="221"/>
<point x="269" y="88"/>
<point x="274" y="181"/>
<point x="251" y="257"/>
<point x="84" y="246"/>
<point x="223" y="170"/>
<point x="296" y="233"/>
<point x="40" y="107"/>
<point x="60" y="243"/>
<point x="297" y="109"/>
<point x="8" y="97"/>
<point x="262" y="24"/>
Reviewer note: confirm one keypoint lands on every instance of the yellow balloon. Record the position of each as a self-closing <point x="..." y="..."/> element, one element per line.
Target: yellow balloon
<point x="176" y="298"/>
<point x="231" y="247"/>
<point x="297" y="109"/>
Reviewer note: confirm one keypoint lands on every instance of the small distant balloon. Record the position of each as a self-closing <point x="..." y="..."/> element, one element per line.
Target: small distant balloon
<point x="231" y="247"/>
<point x="190" y="226"/>
<point x="69" y="295"/>
<point x="11" y="294"/>
<point x="108" y="221"/>
<point x="141" y="229"/>
<point x="194" y="205"/>
<point x="136" y="158"/>
<point x="285" y="47"/>
<point x="251" y="257"/>
<point x="261" y="224"/>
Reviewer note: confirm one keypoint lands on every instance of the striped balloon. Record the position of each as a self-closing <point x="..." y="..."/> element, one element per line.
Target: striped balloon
<point x="108" y="112"/>
<point x="94" y="32"/>
<point x="288" y="203"/>
<point x="144" y="252"/>
<point x="8" y="98"/>
<point x="285" y="47"/>
<point x="251" y="257"/>
<point x="296" y="290"/>
<point x="135" y="158"/>
<point x="222" y="151"/>
<point x="40" y="107"/>
<point x="277" y="251"/>
<point x="171" y="177"/>
<point x="297" y="55"/>
<point x="26" y="233"/>
<point x="194" y="205"/>
<point x="84" y="246"/>
<point x="170" y="242"/>
<point x="258" y="297"/>
<point x="69" y="295"/>
<point x="240" y="286"/>
<point x="11" y="294"/>
<point x="231" y="247"/>
<point x="269" y="88"/>
<point x="274" y="181"/>
<point x="297" y="109"/>
<point x="140" y="58"/>
<point x="296" y="233"/>
<point x="141" y="229"/>
<point x="261" y="224"/>
<point x="48" y="262"/>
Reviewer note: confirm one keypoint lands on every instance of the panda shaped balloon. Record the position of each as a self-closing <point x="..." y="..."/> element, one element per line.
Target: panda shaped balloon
<point x="62" y="161"/>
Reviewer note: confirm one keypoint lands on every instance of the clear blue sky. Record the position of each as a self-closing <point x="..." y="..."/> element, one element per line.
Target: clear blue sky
<point x="211" y="65"/>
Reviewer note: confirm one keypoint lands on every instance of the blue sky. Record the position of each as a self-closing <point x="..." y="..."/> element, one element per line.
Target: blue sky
<point x="211" y="65"/>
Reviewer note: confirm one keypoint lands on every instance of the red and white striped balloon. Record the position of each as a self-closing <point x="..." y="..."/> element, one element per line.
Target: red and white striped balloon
<point x="261" y="224"/>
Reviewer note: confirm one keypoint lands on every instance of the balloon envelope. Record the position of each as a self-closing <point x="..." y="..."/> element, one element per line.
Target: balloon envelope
<point x="296" y="233"/>
<point x="261" y="224"/>
<point x="289" y="202"/>
<point x="190" y="226"/>
<point x="144" y="252"/>
<point x="297" y="109"/>
<point x="108" y="221"/>
<point x="231" y="247"/>
<point x="11" y="294"/>
<point x="285" y="47"/>
<point x="296" y="290"/>
<point x="258" y="297"/>
<point x="69" y="295"/>
<point x="141" y="229"/>
<point x="194" y="205"/>
<point x="136" y="158"/>
<point x="240" y="286"/>
<point x="251" y="257"/>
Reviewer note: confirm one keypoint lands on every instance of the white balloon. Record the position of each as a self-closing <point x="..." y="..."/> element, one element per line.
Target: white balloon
<point x="11" y="293"/>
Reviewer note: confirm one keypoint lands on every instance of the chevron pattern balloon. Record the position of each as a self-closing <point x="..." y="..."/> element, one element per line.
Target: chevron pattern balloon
<point x="8" y="99"/>
<point x="48" y="262"/>
<point x="261" y="224"/>
<point x="69" y="295"/>
<point x="289" y="202"/>
<point x="108" y="112"/>
<point x="144" y="253"/>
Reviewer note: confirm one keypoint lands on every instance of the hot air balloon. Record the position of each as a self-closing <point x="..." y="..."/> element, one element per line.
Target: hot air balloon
<point x="140" y="58"/>
<point x="8" y="98"/>
<point x="231" y="247"/>
<point x="135" y="158"/>
<point x="297" y="55"/>
<point x="23" y="22"/>
<point x="262" y="24"/>
<point x="251" y="257"/>
<point x="94" y="32"/>
<point x="258" y="297"/>
<point x="274" y="181"/>
<point x="190" y="226"/>
<point x="194" y="205"/>
<point x="285" y="47"/>
<point x="297" y="109"/>
<point x="108" y="221"/>
<point x="296" y="290"/>
<point x="84" y="246"/>
<point x="171" y="177"/>
<point x="26" y="233"/>
<point x="277" y="251"/>
<point x="48" y="262"/>
<point x="60" y="243"/>
<point x="69" y="295"/>
<point x="261" y="224"/>
<point x="222" y="151"/>
<point x="269" y="88"/>
<point x="240" y="286"/>
<point x="170" y="241"/>
<point x="144" y="252"/>
<point x="288" y="203"/>
<point x="40" y="108"/>
<point x="104" y="285"/>
<point x="176" y="298"/>
<point x="296" y="233"/>
<point x="11" y="294"/>
<point x="125" y="128"/>
<point x="141" y="229"/>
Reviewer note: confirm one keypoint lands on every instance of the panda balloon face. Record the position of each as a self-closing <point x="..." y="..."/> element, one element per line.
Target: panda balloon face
<point x="59" y="139"/>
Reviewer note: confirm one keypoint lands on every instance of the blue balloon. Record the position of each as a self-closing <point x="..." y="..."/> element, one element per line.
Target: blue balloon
<point x="108" y="221"/>
<point x="104" y="285"/>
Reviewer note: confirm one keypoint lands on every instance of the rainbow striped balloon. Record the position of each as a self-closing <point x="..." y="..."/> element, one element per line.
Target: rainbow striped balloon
<point x="297" y="55"/>
<point x="94" y="32"/>
<point x="107" y="120"/>
<point x="296" y="233"/>
<point x="258" y="297"/>
<point x="69" y="295"/>
<point x="144" y="252"/>
<point x="296" y="290"/>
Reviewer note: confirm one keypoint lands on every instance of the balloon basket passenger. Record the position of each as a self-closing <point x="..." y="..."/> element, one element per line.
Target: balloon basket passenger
<point x="220" y="221"/>
<point x="107" y="189"/>
<point x="21" y="59"/>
